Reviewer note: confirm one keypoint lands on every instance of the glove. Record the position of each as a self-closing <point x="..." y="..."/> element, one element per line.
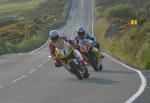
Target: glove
<point x="57" y="63"/>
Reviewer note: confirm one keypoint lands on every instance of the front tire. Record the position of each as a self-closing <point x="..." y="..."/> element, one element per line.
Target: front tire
<point x="86" y="74"/>
<point x="75" y="70"/>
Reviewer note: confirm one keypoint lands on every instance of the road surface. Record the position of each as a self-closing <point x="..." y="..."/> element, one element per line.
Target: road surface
<point x="32" y="77"/>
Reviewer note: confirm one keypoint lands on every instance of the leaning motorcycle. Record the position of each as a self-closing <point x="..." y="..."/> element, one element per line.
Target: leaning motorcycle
<point x="91" y="54"/>
<point x="70" y="61"/>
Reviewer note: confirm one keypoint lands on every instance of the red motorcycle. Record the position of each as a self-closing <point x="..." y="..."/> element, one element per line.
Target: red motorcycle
<point x="91" y="54"/>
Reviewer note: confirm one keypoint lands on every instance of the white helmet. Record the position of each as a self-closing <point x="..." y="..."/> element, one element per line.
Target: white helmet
<point x="54" y="34"/>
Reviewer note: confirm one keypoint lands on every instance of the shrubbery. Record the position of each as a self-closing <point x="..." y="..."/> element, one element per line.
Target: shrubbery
<point x="30" y="44"/>
<point x="3" y="48"/>
<point x="132" y="42"/>
<point x="124" y="11"/>
<point x="32" y="31"/>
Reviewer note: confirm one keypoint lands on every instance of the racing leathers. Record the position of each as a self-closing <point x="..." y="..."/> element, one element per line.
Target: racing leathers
<point x="77" y="38"/>
<point x="53" y="45"/>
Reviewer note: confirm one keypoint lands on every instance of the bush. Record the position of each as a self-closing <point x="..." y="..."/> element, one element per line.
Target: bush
<point x="3" y="48"/>
<point x="33" y="43"/>
<point x="143" y="56"/>
<point x="11" y="48"/>
<point x="124" y="11"/>
<point x="31" y="30"/>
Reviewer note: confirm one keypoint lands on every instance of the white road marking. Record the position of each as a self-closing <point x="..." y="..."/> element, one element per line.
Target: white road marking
<point x="81" y="13"/>
<point x="1" y="86"/>
<point x="39" y="65"/>
<point x="35" y="51"/>
<point x="143" y="80"/>
<point x="73" y="33"/>
<point x="40" y="47"/>
<point x="19" y="78"/>
<point x="49" y="39"/>
<point x="33" y="70"/>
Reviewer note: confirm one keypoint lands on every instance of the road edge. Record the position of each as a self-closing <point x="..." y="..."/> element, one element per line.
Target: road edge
<point x="60" y="28"/>
<point x="141" y="76"/>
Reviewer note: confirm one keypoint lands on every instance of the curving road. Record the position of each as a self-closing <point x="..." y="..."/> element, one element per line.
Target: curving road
<point x="32" y="77"/>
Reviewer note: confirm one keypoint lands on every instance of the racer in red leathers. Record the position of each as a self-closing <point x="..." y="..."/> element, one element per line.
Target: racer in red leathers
<point x="55" y="40"/>
<point x="82" y="34"/>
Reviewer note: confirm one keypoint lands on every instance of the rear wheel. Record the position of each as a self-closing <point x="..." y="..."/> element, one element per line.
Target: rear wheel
<point x="92" y="61"/>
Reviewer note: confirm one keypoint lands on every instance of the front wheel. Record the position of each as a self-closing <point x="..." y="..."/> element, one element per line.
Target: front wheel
<point x="76" y="70"/>
<point x="86" y="74"/>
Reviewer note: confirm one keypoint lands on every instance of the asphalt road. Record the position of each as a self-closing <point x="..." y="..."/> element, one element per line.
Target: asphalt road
<point x="145" y="96"/>
<point x="32" y="77"/>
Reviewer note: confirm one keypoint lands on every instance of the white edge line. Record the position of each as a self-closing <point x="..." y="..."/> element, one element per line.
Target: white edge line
<point x="48" y="39"/>
<point x="19" y="78"/>
<point x="143" y="80"/>
<point x="70" y="13"/>
<point x="39" y="47"/>
<point x="33" y="70"/>
<point x="63" y="27"/>
<point x="80" y="20"/>
<point x="37" y="50"/>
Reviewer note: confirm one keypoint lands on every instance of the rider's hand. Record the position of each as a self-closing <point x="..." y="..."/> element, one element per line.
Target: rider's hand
<point x="57" y="63"/>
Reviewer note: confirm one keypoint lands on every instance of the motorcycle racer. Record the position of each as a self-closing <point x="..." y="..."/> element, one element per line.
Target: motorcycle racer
<point x="82" y="34"/>
<point x="57" y="41"/>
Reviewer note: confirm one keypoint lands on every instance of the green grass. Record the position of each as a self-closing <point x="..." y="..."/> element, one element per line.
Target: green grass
<point x="134" y="52"/>
<point x="12" y="9"/>
<point x="27" y="34"/>
<point x="30" y="44"/>
<point x="130" y="44"/>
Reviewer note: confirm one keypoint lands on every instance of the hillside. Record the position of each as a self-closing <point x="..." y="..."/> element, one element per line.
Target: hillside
<point x="129" y="43"/>
<point x="24" y="28"/>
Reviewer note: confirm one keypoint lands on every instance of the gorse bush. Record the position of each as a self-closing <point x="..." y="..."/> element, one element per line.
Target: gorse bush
<point x="133" y="46"/>
<point x="124" y="11"/>
<point x="30" y="44"/>
<point x="132" y="42"/>
<point x="31" y="31"/>
<point x="3" y="48"/>
<point x="143" y="56"/>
